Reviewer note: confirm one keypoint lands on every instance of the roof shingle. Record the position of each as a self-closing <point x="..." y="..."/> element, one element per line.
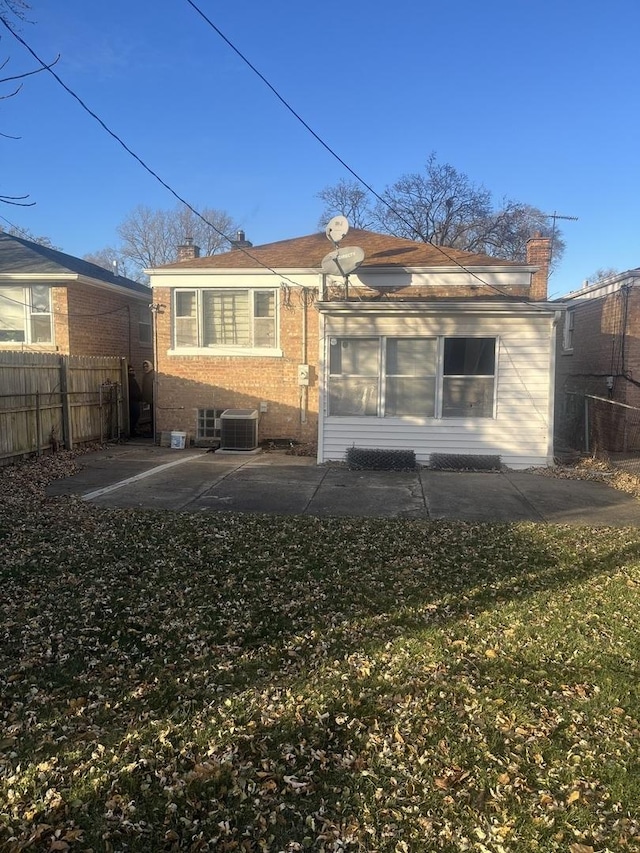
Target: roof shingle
<point x="18" y="255"/>
<point x="381" y="250"/>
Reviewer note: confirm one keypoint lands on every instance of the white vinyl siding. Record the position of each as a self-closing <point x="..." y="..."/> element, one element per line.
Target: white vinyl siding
<point x="519" y="431"/>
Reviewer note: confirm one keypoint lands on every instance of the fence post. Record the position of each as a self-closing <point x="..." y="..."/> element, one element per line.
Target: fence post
<point x="586" y="424"/>
<point x="124" y="422"/>
<point x="38" y="426"/>
<point x="67" y="437"/>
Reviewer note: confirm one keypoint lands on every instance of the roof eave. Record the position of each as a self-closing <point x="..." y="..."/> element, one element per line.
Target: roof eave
<point x="32" y="276"/>
<point x="472" y="305"/>
<point x="383" y="268"/>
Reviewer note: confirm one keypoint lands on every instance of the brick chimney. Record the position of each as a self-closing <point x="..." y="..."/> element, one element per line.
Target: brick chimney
<point x="189" y="250"/>
<point x="240" y="242"/>
<point x="539" y="255"/>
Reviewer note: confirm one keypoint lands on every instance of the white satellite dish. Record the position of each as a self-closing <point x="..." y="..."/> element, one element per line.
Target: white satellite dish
<point x="342" y="261"/>
<point x="337" y="229"/>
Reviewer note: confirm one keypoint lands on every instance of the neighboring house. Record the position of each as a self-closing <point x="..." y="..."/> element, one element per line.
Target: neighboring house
<point x="433" y="350"/>
<point x="599" y="356"/>
<point x="54" y="302"/>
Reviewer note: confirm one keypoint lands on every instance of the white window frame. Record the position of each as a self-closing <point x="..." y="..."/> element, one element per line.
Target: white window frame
<point x="145" y="328"/>
<point x="462" y="376"/>
<point x="439" y="376"/>
<point x="568" y="329"/>
<point x="226" y="349"/>
<point x="28" y="314"/>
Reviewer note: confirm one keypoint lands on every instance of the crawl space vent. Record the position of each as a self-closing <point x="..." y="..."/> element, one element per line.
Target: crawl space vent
<point x="464" y="462"/>
<point x="378" y="459"/>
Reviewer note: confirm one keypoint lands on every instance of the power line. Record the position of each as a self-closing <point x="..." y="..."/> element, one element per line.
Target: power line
<point x="182" y="200"/>
<point x="328" y="148"/>
<point x="132" y="153"/>
<point x="57" y="313"/>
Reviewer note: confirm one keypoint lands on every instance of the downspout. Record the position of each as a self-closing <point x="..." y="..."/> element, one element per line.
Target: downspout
<point x="558" y="315"/>
<point x="320" y="377"/>
<point x="304" y="389"/>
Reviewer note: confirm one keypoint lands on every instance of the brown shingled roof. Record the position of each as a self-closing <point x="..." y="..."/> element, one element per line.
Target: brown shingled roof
<point x="308" y="252"/>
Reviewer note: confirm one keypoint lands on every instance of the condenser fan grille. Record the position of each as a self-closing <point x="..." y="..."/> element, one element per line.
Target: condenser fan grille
<point x="239" y="429"/>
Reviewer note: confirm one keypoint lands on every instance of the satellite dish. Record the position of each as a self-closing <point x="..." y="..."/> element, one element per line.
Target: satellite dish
<point x="342" y="261"/>
<point x="337" y="228"/>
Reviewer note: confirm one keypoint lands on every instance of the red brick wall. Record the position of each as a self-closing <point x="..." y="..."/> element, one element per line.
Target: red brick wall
<point x="187" y="383"/>
<point x="539" y="254"/>
<point x="606" y="343"/>
<point x="101" y="322"/>
<point x="60" y="319"/>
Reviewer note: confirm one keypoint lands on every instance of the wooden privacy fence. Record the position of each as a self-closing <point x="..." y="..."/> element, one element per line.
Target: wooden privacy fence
<point x="49" y="401"/>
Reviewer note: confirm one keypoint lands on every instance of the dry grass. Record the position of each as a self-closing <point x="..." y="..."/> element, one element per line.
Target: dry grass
<point x="250" y="683"/>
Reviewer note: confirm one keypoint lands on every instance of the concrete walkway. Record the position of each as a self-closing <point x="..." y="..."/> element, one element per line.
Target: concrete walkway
<point x="193" y="480"/>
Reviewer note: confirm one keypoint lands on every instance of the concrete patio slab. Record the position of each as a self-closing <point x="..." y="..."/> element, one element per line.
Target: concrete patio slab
<point x="143" y="475"/>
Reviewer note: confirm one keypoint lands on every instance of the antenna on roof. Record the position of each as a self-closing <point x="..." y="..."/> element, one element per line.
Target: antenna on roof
<point x="555" y="216"/>
<point x="342" y="260"/>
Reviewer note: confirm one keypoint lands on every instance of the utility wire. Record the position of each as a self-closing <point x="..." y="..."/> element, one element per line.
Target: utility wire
<point x="328" y="148"/>
<point x="173" y="192"/>
<point x="57" y="313"/>
<point x="138" y="159"/>
<point x="182" y="200"/>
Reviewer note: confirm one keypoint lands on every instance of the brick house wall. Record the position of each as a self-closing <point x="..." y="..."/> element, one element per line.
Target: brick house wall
<point x="90" y="321"/>
<point x="103" y="322"/>
<point x="606" y="343"/>
<point x="191" y="382"/>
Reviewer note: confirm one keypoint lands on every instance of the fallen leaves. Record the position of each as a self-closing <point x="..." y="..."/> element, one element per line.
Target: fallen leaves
<point x="244" y="683"/>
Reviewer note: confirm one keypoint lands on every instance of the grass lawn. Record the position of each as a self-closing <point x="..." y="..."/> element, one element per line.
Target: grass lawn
<point x="226" y="682"/>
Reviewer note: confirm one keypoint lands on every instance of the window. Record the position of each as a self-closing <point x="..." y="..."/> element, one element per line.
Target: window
<point x="420" y="377"/>
<point x="144" y="324"/>
<point x="225" y="318"/>
<point x="467" y="388"/>
<point x="411" y="376"/>
<point x="25" y="315"/>
<point x="208" y="423"/>
<point x="353" y="369"/>
<point x="569" y="326"/>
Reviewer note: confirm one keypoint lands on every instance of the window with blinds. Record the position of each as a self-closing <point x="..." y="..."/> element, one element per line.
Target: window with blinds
<point x="225" y="318"/>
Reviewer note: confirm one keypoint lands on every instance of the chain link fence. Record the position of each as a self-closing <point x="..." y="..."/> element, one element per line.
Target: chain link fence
<point x="602" y="428"/>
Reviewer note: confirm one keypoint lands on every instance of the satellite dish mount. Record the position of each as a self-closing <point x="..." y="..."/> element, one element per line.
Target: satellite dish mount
<point x="343" y="260"/>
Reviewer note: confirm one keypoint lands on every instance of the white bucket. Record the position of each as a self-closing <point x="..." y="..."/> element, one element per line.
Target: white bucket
<point x="178" y="440"/>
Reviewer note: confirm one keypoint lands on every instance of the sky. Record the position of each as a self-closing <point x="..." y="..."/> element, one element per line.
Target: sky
<point x="537" y="102"/>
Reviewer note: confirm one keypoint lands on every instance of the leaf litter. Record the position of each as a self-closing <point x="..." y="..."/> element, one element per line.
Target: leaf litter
<point x="211" y="683"/>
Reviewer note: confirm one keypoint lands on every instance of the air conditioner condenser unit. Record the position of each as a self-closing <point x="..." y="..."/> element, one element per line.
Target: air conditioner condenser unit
<point x="239" y="429"/>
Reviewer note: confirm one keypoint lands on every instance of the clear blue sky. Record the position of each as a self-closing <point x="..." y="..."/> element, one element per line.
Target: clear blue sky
<point x="537" y="101"/>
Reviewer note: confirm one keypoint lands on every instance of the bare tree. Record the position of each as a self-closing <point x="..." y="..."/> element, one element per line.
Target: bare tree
<point x="15" y="9"/>
<point x="601" y="273"/>
<point x="28" y="235"/>
<point x="349" y="199"/>
<point x="443" y="206"/>
<point x="111" y="259"/>
<point x="151" y="237"/>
